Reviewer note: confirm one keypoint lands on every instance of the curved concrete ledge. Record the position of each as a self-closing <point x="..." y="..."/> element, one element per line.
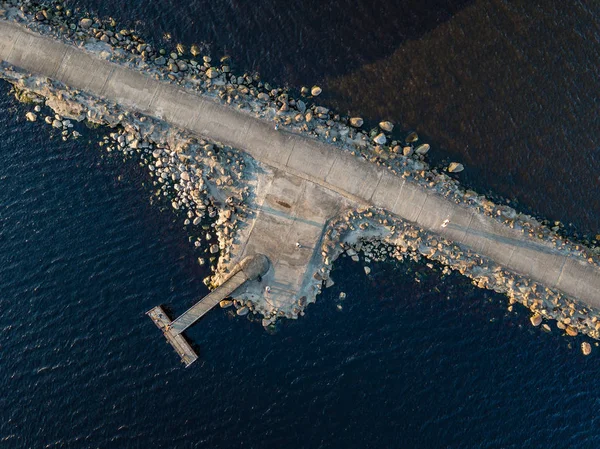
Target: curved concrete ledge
<point x="298" y="156"/>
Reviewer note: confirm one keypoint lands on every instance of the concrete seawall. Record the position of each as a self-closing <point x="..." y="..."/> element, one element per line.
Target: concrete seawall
<point x="302" y="161"/>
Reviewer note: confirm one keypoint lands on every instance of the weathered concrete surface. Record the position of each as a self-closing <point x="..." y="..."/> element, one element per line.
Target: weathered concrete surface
<point x="249" y="269"/>
<point x="305" y="162"/>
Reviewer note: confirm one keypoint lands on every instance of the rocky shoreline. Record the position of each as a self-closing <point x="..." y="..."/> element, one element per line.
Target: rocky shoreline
<point x="213" y="185"/>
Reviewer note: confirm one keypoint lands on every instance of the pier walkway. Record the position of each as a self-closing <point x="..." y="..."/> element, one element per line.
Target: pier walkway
<point x="249" y="269"/>
<point x="304" y="160"/>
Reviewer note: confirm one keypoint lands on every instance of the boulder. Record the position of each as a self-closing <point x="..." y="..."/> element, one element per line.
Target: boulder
<point x="316" y="91"/>
<point x="571" y="331"/>
<point x="455" y="167"/>
<point x="86" y="23"/>
<point x="586" y="348"/>
<point x="214" y="249"/>
<point x="386" y="126"/>
<point x="422" y="149"/>
<point x="212" y="73"/>
<point x="356" y="122"/>
<point x="301" y="106"/>
<point x="195" y="50"/>
<point x="367" y="270"/>
<point x="243" y="311"/>
<point x="161" y="60"/>
<point x="56" y="123"/>
<point x="536" y="320"/>
<point x="380" y="139"/>
<point x="31" y="116"/>
<point x="412" y="137"/>
<point x="226" y="303"/>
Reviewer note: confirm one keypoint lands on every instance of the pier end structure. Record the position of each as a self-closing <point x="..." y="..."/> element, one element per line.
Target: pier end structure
<point x="249" y="269"/>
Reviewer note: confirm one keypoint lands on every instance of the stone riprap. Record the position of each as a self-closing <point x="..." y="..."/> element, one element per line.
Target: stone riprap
<point x="301" y="185"/>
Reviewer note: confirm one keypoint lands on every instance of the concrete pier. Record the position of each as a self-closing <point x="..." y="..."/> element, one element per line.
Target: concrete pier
<point x="249" y="269"/>
<point x="315" y="179"/>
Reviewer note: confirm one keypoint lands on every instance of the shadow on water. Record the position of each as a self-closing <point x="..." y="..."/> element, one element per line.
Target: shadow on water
<point x="289" y="42"/>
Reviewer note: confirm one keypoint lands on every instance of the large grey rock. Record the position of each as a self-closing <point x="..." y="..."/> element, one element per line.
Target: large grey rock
<point x="455" y="167"/>
<point x="380" y="139"/>
<point x="386" y="126"/>
<point x="86" y="23"/>
<point x="356" y="122"/>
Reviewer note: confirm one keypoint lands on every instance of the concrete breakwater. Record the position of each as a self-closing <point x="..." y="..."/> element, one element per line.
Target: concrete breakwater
<point x="293" y="189"/>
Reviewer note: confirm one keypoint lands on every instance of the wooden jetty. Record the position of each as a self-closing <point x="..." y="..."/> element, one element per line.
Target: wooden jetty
<point x="183" y="348"/>
<point x="248" y="269"/>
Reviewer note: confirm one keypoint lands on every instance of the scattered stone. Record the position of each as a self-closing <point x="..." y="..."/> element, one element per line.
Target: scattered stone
<point x="30" y="116"/>
<point x="422" y="149"/>
<point x="536" y="320"/>
<point x="380" y="139"/>
<point x="356" y="122"/>
<point x="86" y="23"/>
<point x="243" y="311"/>
<point x="586" y="348"/>
<point x="214" y="249"/>
<point x="367" y="270"/>
<point x="342" y="295"/>
<point x="455" y="167"/>
<point x="546" y="328"/>
<point x="57" y="124"/>
<point x="316" y="91"/>
<point x="386" y="126"/>
<point x="195" y="50"/>
<point x="412" y="137"/>
<point x="212" y="73"/>
<point x="571" y="331"/>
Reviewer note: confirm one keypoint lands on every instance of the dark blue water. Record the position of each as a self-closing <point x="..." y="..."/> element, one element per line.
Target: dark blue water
<point x="412" y="359"/>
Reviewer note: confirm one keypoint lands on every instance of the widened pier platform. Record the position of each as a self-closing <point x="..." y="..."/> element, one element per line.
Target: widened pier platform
<point x="248" y="269"/>
<point x="183" y="348"/>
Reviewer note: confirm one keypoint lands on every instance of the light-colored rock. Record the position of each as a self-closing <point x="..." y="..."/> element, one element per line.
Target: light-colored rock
<point x="407" y="151"/>
<point x="386" y="126"/>
<point x="214" y="249"/>
<point x="536" y="320"/>
<point x="86" y="23"/>
<point x="561" y="325"/>
<point x="422" y="149"/>
<point x="356" y="122"/>
<point x="243" y="311"/>
<point x="571" y="331"/>
<point x="316" y="91"/>
<point x="225" y="303"/>
<point x="586" y="348"/>
<point x="455" y="167"/>
<point x="546" y="328"/>
<point x="212" y="73"/>
<point x="367" y="270"/>
<point x="30" y="116"/>
<point x="380" y="139"/>
<point x="56" y="123"/>
<point x="195" y="50"/>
